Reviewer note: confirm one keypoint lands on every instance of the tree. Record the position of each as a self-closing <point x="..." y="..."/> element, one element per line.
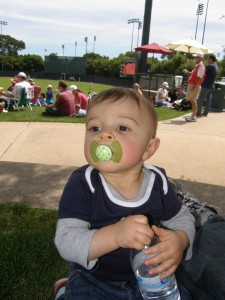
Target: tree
<point x="221" y="65"/>
<point x="11" y="46"/>
<point x="32" y="63"/>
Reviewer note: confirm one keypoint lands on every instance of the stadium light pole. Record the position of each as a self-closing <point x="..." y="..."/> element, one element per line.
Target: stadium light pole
<point x="203" y="36"/>
<point x="63" y="47"/>
<point x="199" y="12"/>
<point x="75" y="49"/>
<point x="3" y="23"/>
<point x="139" y="27"/>
<point x="86" y="41"/>
<point x="94" y="44"/>
<point x="132" y="21"/>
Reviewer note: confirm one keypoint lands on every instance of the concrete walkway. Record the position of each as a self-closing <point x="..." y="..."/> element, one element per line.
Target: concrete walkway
<point x="193" y="152"/>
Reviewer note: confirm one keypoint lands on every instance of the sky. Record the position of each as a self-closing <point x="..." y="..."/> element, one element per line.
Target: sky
<point x="49" y="24"/>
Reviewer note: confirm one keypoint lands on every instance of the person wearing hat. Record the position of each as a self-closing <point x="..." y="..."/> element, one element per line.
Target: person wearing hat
<point x="64" y="104"/>
<point x="162" y="95"/>
<point x="35" y="91"/>
<point x="16" y="91"/>
<point x="49" y="96"/>
<point x="80" y="101"/>
<point x="207" y="86"/>
<point x="195" y="80"/>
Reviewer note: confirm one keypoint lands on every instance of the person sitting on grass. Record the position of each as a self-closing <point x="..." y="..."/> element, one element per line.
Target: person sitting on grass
<point x="36" y="91"/>
<point x="41" y="100"/>
<point x="16" y="91"/>
<point x="162" y="97"/>
<point x="80" y="101"/>
<point x="2" y="106"/>
<point x="14" y="81"/>
<point x="102" y="212"/>
<point x="49" y="95"/>
<point x="137" y="88"/>
<point x="64" y="104"/>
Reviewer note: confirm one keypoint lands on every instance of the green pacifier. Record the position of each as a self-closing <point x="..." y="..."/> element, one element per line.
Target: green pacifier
<point x="111" y="152"/>
<point x="103" y="153"/>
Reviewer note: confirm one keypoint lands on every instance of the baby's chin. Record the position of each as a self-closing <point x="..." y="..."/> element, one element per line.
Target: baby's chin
<point x="105" y="166"/>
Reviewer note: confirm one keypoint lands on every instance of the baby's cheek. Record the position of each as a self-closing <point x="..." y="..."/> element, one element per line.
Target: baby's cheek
<point x="131" y="152"/>
<point x="87" y="151"/>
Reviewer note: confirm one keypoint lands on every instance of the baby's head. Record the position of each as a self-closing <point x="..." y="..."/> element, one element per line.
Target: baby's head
<point x="120" y="131"/>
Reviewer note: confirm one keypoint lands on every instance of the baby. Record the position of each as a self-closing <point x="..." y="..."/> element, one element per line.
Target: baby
<point x="102" y="212"/>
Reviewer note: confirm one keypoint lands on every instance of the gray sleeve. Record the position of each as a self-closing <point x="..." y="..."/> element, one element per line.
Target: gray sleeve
<point x="73" y="239"/>
<point x="186" y="222"/>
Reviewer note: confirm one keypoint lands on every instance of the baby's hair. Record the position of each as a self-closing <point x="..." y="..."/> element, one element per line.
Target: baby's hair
<point x="119" y="94"/>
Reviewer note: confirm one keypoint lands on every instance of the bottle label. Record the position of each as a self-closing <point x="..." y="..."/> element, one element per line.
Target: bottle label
<point x="154" y="284"/>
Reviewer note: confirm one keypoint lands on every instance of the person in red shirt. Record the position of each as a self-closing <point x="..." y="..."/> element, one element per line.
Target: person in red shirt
<point x="64" y="104"/>
<point x="80" y="101"/>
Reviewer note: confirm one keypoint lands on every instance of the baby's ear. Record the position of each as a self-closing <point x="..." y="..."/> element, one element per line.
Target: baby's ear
<point x="152" y="147"/>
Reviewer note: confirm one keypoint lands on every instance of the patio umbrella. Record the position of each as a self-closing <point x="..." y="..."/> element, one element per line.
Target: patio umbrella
<point x="189" y="46"/>
<point x="154" y="48"/>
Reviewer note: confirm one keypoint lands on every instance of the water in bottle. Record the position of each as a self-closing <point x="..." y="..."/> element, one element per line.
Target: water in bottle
<point x="152" y="287"/>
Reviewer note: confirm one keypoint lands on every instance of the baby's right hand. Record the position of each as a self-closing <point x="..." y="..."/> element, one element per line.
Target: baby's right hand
<point x="133" y="232"/>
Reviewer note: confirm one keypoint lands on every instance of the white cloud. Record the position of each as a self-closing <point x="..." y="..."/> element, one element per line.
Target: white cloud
<point x="49" y="24"/>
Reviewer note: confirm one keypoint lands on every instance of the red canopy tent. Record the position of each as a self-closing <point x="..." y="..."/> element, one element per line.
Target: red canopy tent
<point x="154" y="48"/>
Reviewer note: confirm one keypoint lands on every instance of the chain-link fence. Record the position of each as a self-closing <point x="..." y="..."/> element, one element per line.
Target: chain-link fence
<point x="71" y="66"/>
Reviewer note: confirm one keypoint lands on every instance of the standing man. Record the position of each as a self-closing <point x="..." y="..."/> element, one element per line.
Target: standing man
<point x="207" y="86"/>
<point x="194" y="84"/>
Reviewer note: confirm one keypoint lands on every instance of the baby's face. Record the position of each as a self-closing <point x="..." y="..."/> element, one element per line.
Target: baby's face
<point x="123" y="128"/>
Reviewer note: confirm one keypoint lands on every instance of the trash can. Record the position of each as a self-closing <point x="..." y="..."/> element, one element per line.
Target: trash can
<point x="218" y="97"/>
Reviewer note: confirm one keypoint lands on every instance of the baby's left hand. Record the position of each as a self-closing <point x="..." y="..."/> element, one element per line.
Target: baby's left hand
<point x="169" y="251"/>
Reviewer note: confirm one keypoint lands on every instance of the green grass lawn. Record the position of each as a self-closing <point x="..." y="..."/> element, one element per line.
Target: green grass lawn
<point x="83" y="86"/>
<point x="29" y="261"/>
<point x="25" y="115"/>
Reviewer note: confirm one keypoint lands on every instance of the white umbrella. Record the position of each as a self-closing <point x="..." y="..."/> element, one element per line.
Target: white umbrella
<point x="189" y="46"/>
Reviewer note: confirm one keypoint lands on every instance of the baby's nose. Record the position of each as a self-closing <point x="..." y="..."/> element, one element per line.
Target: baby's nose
<point x="105" y="137"/>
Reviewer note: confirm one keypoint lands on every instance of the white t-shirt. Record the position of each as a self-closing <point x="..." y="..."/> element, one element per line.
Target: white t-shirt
<point x="17" y="88"/>
<point x="163" y="92"/>
<point x="201" y="70"/>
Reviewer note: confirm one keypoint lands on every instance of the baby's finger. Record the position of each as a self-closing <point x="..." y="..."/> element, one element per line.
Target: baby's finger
<point x="142" y="239"/>
<point x="168" y="273"/>
<point x="163" y="267"/>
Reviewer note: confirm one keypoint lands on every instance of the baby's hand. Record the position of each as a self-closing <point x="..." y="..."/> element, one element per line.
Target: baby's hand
<point x="132" y="232"/>
<point x="169" y="251"/>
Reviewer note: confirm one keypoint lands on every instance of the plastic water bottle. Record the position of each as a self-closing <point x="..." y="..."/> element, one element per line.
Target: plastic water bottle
<point x="152" y="287"/>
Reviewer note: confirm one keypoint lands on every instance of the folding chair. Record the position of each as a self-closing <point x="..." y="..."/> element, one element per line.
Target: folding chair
<point x="25" y="98"/>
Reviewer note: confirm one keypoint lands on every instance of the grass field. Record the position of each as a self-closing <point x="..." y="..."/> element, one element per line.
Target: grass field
<point x="25" y="115"/>
<point x="83" y="86"/>
<point x="29" y="261"/>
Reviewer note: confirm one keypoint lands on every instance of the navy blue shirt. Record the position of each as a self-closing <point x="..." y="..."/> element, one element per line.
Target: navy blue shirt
<point x="88" y="198"/>
<point x="210" y="76"/>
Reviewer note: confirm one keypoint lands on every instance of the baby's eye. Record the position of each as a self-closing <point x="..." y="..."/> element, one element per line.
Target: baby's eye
<point x="123" y="128"/>
<point x="95" y="129"/>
